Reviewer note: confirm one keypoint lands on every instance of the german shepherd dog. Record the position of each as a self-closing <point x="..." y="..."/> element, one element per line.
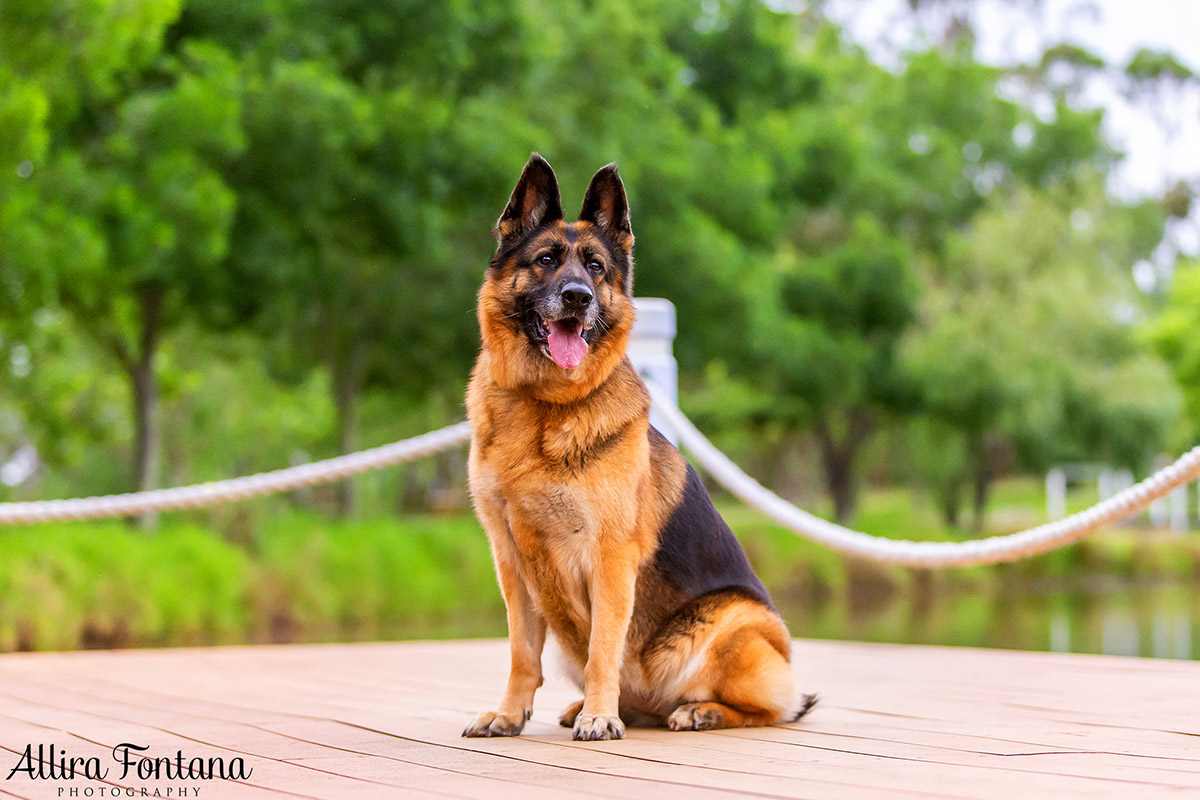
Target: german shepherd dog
<point x="602" y="533"/>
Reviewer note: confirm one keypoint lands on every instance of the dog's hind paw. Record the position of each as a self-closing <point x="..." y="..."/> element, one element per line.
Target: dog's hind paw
<point x="589" y="728"/>
<point x="567" y="717"/>
<point x="696" y="717"/>
<point x="492" y="723"/>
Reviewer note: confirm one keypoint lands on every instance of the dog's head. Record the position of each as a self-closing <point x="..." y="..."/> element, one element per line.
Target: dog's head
<point x="555" y="309"/>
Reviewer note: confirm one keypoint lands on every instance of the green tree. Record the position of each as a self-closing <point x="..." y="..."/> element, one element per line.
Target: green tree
<point x="364" y="183"/>
<point x="1025" y="353"/>
<point x="132" y="212"/>
<point x="57" y="395"/>
<point x="311" y="183"/>
<point x="155" y="201"/>
<point x="1173" y="334"/>
<point x="869" y="173"/>
<point x="832" y="341"/>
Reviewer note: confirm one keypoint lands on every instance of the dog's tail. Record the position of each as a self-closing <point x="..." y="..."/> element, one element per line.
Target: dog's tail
<point x="807" y="702"/>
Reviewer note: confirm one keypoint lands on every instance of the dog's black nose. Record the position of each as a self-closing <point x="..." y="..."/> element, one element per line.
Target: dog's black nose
<point x="576" y="295"/>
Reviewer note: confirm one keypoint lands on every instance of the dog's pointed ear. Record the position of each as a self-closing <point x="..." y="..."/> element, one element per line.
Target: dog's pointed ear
<point x="605" y="204"/>
<point x="535" y="200"/>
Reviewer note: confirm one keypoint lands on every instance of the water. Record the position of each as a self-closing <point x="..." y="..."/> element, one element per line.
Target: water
<point x="1158" y="620"/>
<point x="1087" y="615"/>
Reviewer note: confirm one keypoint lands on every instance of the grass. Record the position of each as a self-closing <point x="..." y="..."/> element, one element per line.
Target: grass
<point x="297" y="576"/>
<point x="300" y="577"/>
<point x="63" y="587"/>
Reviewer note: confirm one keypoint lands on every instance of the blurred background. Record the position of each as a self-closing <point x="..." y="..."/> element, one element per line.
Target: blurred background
<point x="934" y="263"/>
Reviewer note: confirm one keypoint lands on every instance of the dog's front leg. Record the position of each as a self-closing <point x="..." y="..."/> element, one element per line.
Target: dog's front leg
<point x="612" y="586"/>
<point x="526" y="638"/>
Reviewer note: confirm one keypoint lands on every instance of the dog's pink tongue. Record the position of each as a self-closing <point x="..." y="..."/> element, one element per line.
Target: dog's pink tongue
<point x="567" y="346"/>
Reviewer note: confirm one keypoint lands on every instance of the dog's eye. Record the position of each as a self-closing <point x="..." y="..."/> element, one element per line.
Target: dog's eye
<point x="595" y="266"/>
<point x="546" y="260"/>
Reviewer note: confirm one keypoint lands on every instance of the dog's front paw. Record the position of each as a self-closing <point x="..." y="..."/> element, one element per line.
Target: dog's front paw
<point x="589" y="728"/>
<point x="493" y="723"/>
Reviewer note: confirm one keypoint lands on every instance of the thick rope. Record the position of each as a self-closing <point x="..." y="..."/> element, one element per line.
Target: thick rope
<point x="895" y="551"/>
<point x="234" y="489"/>
<point x="992" y="550"/>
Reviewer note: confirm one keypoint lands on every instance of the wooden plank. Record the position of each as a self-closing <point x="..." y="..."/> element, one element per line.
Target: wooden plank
<point x="383" y="720"/>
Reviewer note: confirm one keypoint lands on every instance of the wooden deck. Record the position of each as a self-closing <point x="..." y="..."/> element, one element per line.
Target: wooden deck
<point x="383" y="720"/>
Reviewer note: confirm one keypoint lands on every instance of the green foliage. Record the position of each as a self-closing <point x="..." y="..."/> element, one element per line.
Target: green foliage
<point x="273" y="216"/>
<point x="1023" y="351"/>
<point x="375" y="573"/>
<point x="81" y="53"/>
<point x="55" y="394"/>
<point x="216" y="391"/>
<point x="65" y="586"/>
<point x="154" y="194"/>
<point x="842" y="312"/>
<point x="1173" y="333"/>
<point x="1156" y="65"/>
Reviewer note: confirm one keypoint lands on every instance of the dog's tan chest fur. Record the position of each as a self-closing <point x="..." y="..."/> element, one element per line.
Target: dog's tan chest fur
<point x="569" y="485"/>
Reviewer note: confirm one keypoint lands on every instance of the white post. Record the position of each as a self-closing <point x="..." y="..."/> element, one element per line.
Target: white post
<point x="1060" y="632"/>
<point x="1159" y="513"/>
<point x="1123" y="480"/>
<point x="1056" y="494"/>
<point x="1183" y="636"/>
<point x="1106" y="483"/>
<point x="651" y="352"/>
<point x="1178" y="499"/>
<point x="1162" y="634"/>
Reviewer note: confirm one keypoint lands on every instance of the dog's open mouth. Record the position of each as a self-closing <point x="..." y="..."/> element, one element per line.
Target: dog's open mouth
<point x="564" y="340"/>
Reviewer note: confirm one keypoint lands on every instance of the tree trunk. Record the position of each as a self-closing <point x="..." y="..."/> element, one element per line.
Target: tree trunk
<point x="982" y="476"/>
<point x="838" y="458"/>
<point x="347" y="378"/>
<point x="413" y="494"/>
<point x="950" y="501"/>
<point x="839" y="479"/>
<point x="147" y="442"/>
